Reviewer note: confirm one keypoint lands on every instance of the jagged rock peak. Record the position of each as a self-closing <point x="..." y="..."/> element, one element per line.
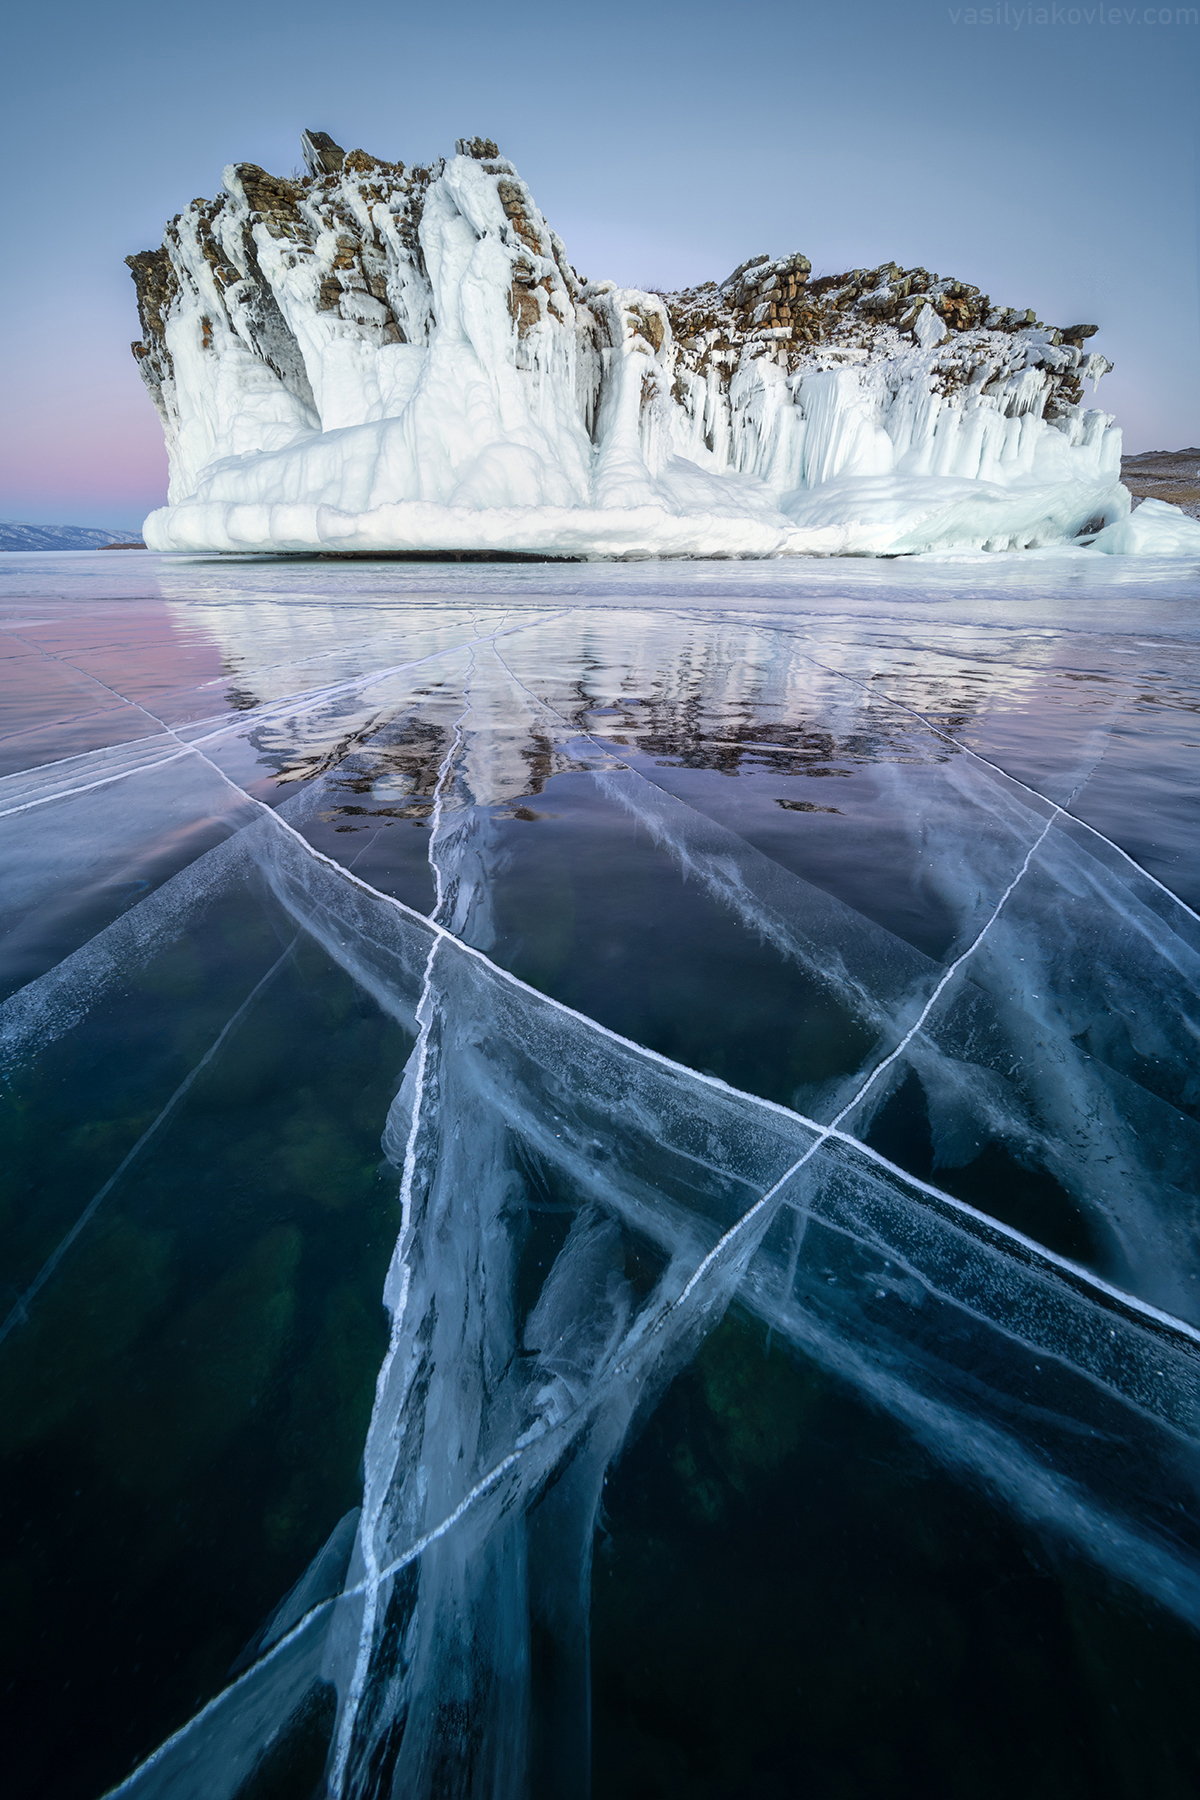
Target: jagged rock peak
<point x="481" y="149"/>
<point x="321" y="154"/>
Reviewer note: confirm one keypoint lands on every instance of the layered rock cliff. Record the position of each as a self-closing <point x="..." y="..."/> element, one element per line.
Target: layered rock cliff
<point x="380" y="357"/>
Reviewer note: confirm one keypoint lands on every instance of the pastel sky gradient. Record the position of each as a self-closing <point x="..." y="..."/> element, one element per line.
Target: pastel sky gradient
<point x="1054" y="165"/>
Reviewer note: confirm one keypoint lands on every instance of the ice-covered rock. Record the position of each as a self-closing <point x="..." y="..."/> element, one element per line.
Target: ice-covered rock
<point x="374" y="357"/>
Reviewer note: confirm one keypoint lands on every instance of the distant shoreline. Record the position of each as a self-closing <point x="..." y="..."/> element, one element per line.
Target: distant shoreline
<point x="1170" y="475"/>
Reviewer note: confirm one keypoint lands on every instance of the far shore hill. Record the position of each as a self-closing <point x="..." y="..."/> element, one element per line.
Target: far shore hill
<point x="14" y="536"/>
<point x="1170" y="475"/>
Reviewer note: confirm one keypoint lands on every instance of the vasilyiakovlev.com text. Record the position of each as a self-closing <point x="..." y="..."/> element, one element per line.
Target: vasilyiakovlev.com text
<point x="1014" y="17"/>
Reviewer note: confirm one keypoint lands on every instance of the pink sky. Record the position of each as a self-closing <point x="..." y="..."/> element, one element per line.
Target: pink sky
<point x="92" y="457"/>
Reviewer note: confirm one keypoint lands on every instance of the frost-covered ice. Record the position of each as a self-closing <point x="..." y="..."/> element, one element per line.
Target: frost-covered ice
<point x="382" y="358"/>
<point x="1155" y="529"/>
<point x="1042" y="1000"/>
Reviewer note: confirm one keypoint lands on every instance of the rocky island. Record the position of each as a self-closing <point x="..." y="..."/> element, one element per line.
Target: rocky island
<point x="373" y="357"/>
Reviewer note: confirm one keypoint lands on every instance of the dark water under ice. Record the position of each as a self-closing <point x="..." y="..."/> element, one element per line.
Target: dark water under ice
<point x="887" y="1487"/>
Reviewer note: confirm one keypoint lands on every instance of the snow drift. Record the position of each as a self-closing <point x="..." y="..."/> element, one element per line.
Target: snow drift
<point x="1155" y="529"/>
<point x="380" y="358"/>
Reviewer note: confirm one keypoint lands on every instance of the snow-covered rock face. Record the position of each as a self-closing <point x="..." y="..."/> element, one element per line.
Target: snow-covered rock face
<point x="381" y="358"/>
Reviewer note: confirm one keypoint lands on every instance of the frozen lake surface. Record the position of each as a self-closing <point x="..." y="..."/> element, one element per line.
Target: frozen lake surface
<point x="600" y="1175"/>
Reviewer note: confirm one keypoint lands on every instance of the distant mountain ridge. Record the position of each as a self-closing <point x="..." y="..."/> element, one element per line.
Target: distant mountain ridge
<point x="62" y="537"/>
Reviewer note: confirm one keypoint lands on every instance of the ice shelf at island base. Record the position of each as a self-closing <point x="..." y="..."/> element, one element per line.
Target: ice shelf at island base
<point x="1155" y="529"/>
<point x="848" y="516"/>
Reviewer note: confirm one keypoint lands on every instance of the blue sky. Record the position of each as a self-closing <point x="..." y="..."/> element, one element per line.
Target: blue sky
<point x="1047" y="154"/>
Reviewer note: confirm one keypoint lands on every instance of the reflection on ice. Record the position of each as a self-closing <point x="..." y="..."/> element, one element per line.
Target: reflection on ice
<point x="577" y="1210"/>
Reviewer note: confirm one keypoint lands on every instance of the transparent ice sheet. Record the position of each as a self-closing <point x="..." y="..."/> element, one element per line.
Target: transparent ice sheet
<point x="1057" y="1020"/>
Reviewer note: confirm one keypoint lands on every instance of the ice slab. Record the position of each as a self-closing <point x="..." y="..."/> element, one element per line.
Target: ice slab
<point x="1155" y="529"/>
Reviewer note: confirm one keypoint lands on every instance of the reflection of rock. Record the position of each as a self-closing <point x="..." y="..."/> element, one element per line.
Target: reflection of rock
<point x="749" y="701"/>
